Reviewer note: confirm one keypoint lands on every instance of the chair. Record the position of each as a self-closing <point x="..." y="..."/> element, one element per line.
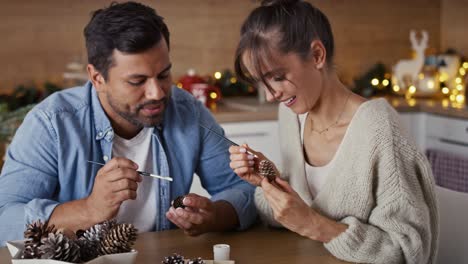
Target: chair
<point x="453" y="238"/>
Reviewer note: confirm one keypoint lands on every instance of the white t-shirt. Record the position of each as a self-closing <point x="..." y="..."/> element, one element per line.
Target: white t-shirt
<point x="315" y="176"/>
<point x="142" y="211"/>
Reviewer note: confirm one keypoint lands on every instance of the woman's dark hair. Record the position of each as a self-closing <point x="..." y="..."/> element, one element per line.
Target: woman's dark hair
<point x="283" y="26"/>
<point x="128" y="27"/>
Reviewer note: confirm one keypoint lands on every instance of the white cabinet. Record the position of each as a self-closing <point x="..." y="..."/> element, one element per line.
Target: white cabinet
<point x="414" y="125"/>
<point x="437" y="132"/>
<point x="261" y="136"/>
<point x="447" y="134"/>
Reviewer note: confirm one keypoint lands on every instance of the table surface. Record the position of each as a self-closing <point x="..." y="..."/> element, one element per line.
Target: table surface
<point x="256" y="245"/>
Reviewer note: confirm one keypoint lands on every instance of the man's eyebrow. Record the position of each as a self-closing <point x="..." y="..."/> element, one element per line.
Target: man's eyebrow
<point x="137" y="75"/>
<point x="165" y="69"/>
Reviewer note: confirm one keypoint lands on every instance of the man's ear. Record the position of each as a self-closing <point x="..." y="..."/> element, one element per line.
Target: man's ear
<point x="95" y="77"/>
<point x="319" y="53"/>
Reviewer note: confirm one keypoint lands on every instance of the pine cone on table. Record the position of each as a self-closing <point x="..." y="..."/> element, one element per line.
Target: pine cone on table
<point x="119" y="239"/>
<point x="88" y="249"/>
<point x="59" y="247"/>
<point x="267" y="169"/>
<point x="89" y="240"/>
<point x="33" y="234"/>
<point x="174" y="259"/>
<point x="196" y="261"/>
<point x="97" y="232"/>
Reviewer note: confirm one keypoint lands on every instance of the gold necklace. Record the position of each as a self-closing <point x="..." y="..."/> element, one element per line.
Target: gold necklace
<point x="320" y="132"/>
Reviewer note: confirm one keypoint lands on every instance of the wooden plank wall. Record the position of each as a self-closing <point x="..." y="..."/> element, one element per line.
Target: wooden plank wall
<point x="38" y="38"/>
<point x="454" y="23"/>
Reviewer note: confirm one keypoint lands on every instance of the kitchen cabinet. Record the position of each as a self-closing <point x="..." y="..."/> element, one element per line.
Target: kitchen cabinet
<point x="261" y="136"/>
<point x="431" y="131"/>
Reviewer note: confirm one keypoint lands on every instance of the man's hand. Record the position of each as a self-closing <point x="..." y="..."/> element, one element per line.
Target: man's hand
<point x="201" y="215"/>
<point x="115" y="183"/>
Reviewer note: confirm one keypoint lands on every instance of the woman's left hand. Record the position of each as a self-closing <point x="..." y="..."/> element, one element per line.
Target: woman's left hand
<point x="294" y="214"/>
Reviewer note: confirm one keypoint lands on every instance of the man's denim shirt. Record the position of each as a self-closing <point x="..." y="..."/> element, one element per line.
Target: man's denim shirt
<point x="46" y="163"/>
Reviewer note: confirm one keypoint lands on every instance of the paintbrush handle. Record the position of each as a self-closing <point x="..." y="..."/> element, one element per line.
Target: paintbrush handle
<point x="142" y="173"/>
<point x="225" y="138"/>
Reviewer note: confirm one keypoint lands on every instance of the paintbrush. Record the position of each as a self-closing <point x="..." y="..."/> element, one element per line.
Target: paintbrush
<point x="142" y="173"/>
<point x="225" y="138"/>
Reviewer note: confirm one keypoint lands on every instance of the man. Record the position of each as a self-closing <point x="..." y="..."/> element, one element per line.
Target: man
<point x="130" y="117"/>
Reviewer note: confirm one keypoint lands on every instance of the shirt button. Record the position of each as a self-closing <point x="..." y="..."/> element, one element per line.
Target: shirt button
<point x="110" y="134"/>
<point x="100" y="134"/>
<point x="105" y="158"/>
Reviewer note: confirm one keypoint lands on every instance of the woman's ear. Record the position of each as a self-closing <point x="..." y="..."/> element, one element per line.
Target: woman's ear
<point x="319" y="53"/>
<point x="95" y="77"/>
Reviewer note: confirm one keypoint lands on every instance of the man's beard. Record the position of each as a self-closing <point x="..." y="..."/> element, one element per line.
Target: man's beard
<point x="141" y="121"/>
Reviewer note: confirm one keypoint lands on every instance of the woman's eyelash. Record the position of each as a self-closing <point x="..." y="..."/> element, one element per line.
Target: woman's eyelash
<point x="279" y="78"/>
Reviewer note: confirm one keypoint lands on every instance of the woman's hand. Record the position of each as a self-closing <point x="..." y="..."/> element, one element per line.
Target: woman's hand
<point x="294" y="214"/>
<point x="245" y="165"/>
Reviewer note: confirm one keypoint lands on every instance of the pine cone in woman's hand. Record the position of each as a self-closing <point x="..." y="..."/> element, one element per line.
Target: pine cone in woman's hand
<point x="267" y="169"/>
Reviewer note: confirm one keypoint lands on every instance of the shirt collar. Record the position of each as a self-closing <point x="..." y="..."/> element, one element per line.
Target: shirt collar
<point x="102" y="124"/>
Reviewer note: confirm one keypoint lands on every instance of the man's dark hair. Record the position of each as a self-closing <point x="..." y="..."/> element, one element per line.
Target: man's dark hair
<point x="284" y="26"/>
<point x="128" y="27"/>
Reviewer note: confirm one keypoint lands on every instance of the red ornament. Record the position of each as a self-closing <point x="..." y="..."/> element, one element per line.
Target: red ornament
<point x="206" y="93"/>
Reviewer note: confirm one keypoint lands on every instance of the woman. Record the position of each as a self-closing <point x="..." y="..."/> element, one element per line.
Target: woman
<point x="350" y="178"/>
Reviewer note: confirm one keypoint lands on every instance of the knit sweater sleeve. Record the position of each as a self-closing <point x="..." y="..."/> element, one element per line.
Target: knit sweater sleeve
<point x="402" y="226"/>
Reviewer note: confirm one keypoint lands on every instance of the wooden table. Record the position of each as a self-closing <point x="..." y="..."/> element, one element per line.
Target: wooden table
<point x="257" y="245"/>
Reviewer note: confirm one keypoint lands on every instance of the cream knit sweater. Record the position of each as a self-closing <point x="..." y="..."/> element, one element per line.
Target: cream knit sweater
<point x="381" y="186"/>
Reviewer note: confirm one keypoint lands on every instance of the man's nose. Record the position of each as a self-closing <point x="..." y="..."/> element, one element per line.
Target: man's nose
<point x="154" y="90"/>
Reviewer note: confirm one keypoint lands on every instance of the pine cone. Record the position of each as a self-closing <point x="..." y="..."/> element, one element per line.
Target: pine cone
<point x="174" y="259"/>
<point x="178" y="202"/>
<point x="196" y="261"/>
<point x="31" y="250"/>
<point x="119" y="239"/>
<point x="267" y="169"/>
<point x="88" y="249"/>
<point x="59" y="247"/>
<point x="96" y="232"/>
<point x="33" y="234"/>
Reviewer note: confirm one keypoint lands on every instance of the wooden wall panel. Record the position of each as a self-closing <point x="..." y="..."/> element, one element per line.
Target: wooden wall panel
<point x="38" y="38"/>
<point x="454" y="23"/>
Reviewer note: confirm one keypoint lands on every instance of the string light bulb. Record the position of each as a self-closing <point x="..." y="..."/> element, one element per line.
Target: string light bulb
<point x="462" y="71"/>
<point x="385" y="82"/>
<point x="375" y="82"/>
<point x="396" y="88"/>
<point x="218" y="75"/>
<point x="412" y="89"/>
<point x="445" y="90"/>
<point x="430" y="84"/>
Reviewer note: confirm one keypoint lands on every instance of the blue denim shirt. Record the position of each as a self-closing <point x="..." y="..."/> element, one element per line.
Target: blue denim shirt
<point x="46" y="163"/>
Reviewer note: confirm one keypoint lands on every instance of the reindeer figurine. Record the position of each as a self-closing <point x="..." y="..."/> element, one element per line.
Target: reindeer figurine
<point x="407" y="70"/>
